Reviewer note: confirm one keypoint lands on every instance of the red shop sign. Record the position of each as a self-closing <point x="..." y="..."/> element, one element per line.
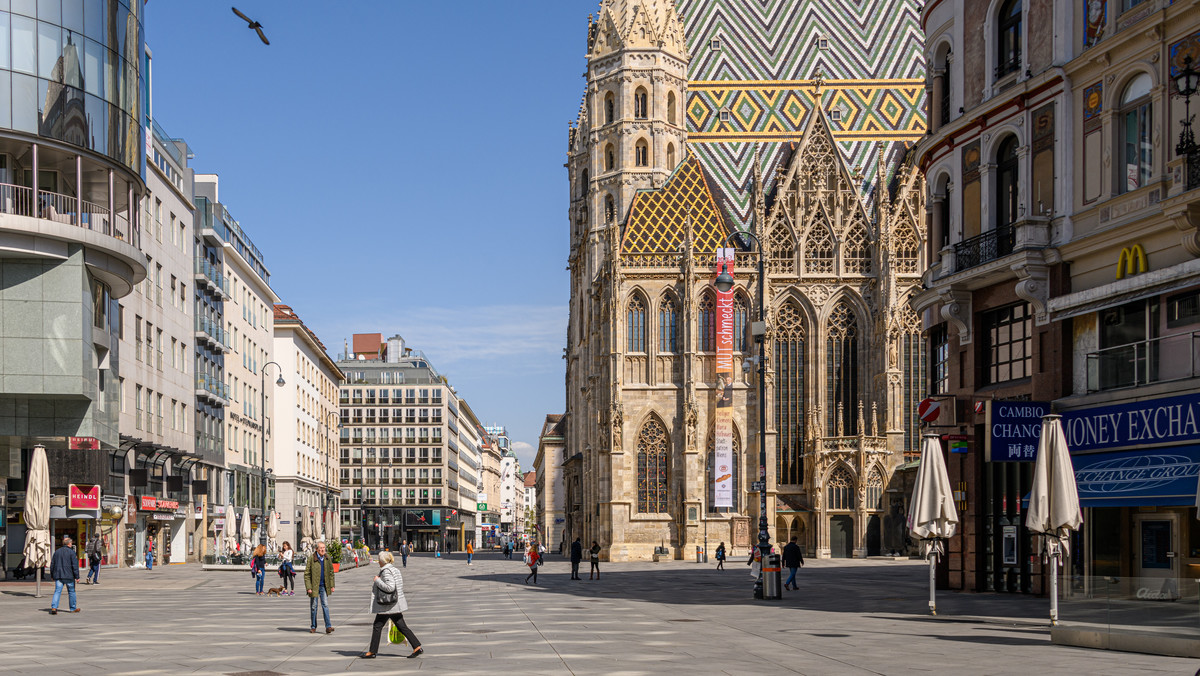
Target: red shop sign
<point x="149" y="503"/>
<point x="83" y="497"/>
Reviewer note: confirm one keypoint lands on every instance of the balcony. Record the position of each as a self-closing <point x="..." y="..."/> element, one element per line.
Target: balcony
<point x="213" y="332"/>
<point x="984" y="248"/>
<point x="210" y="275"/>
<point x="1158" y="360"/>
<point x="212" y="388"/>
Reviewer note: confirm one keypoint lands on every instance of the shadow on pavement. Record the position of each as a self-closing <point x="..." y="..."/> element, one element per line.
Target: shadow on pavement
<point x="299" y="629"/>
<point x="997" y="640"/>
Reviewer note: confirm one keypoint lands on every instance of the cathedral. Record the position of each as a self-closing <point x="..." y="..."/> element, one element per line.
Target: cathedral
<point x="789" y="120"/>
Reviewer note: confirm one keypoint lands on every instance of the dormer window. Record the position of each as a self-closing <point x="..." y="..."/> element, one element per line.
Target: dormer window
<point x="715" y="44"/>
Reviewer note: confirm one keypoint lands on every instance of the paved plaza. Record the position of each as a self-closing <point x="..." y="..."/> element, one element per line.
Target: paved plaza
<point x="849" y="617"/>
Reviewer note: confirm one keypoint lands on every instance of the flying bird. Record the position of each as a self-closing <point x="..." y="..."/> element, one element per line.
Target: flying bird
<point x="252" y="24"/>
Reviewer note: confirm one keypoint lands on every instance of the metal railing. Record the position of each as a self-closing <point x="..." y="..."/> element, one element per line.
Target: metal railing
<point x="1157" y="360"/>
<point x="213" y="329"/>
<point x="212" y="385"/>
<point x="1191" y="167"/>
<point x="984" y="248"/>
<point x="70" y="210"/>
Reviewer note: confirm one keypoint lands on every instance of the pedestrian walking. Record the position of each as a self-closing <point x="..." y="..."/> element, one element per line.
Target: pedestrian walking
<point x="287" y="568"/>
<point x="388" y="603"/>
<point x="404" y="552"/>
<point x="721" y="556"/>
<point x="755" y="562"/>
<point x="470" y="552"/>
<point x="793" y="559"/>
<point x="258" y="568"/>
<point x="149" y="552"/>
<point x="64" y="570"/>
<point x="507" y="550"/>
<point x="318" y="582"/>
<point x="437" y="549"/>
<point x="595" y="558"/>
<point x="576" y="557"/>
<point x="95" y="552"/>
<point x="533" y="560"/>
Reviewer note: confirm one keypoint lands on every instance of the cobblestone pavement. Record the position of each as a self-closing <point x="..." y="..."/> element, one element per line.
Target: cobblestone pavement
<point x="849" y="617"/>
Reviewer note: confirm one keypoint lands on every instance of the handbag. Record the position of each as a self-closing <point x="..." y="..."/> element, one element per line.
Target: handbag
<point x="395" y="636"/>
<point x="386" y="598"/>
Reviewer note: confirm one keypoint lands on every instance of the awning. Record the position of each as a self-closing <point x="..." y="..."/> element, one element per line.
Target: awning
<point x="1162" y="477"/>
<point x="1128" y="290"/>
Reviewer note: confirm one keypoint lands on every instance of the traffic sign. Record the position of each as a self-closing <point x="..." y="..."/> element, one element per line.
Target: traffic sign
<point x="481" y="506"/>
<point x="929" y="409"/>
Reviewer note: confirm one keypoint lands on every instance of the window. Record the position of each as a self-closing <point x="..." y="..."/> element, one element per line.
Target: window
<point x="839" y="489"/>
<point x="1135" y="122"/>
<point x="707" y="324"/>
<point x="912" y="373"/>
<point x="641" y="154"/>
<point x="939" y="363"/>
<point x="668" y="338"/>
<point x="652" y="446"/>
<point x="1183" y="309"/>
<point x="670" y="156"/>
<point x="609" y="105"/>
<point x="874" y="490"/>
<point x="715" y="44"/>
<point x="741" y="310"/>
<point x="724" y="115"/>
<point x="640" y="104"/>
<point x="818" y="247"/>
<point x="610" y="209"/>
<point x="1006" y="182"/>
<point x="822" y="42"/>
<point x="1008" y="38"/>
<point x="835" y="115"/>
<point x="635" y="325"/>
<point x="842" y="371"/>
<point x="789" y="393"/>
<point x="1007" y="340"/>
<point x="670" y="107"/>
<point x="610" y="161"/>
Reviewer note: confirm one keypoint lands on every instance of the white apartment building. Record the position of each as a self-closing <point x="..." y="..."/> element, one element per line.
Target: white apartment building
<point x="248" y="332"/>
<point x="305" y="422"/>
<point x="512" y="499"/>
<point x="471" y="469"/>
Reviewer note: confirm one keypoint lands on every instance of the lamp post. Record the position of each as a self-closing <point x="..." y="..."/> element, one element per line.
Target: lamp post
<point x="1187" y="80"/>
<point x="724" y="283"/>
<point x="262" y="393"/>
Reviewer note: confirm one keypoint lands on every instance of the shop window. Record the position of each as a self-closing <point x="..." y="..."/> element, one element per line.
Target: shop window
<point x="1007" y="333"/>
<point x="1183" y="309"/>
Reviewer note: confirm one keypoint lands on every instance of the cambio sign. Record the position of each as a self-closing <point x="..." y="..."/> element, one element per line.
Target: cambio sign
<point x="1014" y="428"/>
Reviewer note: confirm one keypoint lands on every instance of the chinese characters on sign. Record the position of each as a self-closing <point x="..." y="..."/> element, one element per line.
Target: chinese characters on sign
<point x="1013" y="430"/>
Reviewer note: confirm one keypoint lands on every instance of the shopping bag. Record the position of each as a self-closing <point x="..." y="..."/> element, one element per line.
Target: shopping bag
<point x="395" y="636"/>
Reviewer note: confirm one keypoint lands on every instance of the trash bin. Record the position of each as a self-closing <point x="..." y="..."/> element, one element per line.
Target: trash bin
<point x="772" y="578"/>
<point x="701" y="555"/>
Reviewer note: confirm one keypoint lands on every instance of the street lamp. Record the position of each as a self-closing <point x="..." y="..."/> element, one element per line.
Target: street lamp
<point x="262" y="393"/>
<point x="1187" y="79"/>
<point x="724" y="283"/>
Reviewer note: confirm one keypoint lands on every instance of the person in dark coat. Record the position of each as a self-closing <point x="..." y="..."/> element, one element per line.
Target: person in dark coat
<point x="721" y="556"/>
<point x="64" y="570"/>
<point x="576" y="557"/>
<point x="793" y="558"/>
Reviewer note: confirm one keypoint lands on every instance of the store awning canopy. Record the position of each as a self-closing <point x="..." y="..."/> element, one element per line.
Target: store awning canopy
<point x="1158" y="477"/>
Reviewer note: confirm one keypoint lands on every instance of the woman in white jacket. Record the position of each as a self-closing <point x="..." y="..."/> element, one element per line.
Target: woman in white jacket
<point x="387" y="582"/>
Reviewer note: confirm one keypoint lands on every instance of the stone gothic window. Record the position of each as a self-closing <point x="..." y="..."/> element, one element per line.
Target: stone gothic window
<point x="912" y="365"/>
<point x="874" y="491"/>
<point x="818" y="248"/>
<point x="609" y="108"/>
<point x="668" y="325"/>
<point x="782" y="248"/>
<point x="652" y="446"/>
<point x="841" y="352"/>
<point x="670" y="107"/>
<point x="741" y="310"/>
<point x="641" y="154"/>
<point x="610" y="158"/>
<point x="635" y="325"/>
<point x="707" y="324"/>
<point x="610" y="209"/>
<point x="839" y="489"/>
<point x="789" y="394"/>
<point x="712" y="476"/>
<point x="907" y="248"/>
<point x="640" y="104"/>
<point x="856" y="249"/>
<point x="670" y="156"/>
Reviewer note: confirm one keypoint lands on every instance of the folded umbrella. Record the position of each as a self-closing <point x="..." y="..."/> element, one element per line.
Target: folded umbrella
<point x="37" y="515"/>
<point x="931" y="514"/>
<point x="1054" y="510"/>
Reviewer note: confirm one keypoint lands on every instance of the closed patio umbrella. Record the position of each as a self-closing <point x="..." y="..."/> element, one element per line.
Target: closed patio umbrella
<point x="230" y="531"/>
<point x="37" y="515"/>
<point x="331" y="528"/>
<point x="306" y="539"/>
<point x="931" y="515"/>
<point x="1053" y="501"/>
<point x="272" y="529"/>
<point x="245" y="532"/>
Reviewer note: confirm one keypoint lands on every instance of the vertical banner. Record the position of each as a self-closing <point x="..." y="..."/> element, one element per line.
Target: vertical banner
<point x="722" y="476"/>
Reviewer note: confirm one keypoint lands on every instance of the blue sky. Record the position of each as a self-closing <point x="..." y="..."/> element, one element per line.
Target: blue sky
<point x="399" y="164"/>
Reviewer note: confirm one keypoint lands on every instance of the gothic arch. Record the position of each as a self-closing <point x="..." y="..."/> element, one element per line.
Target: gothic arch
<point x="667" y="315"/>
<point x="906" y="247"/>
<point x="845" y="336"/>
<point x="741" y="321"/>
<point x="671" y="117"/>
<point x="839" y="487"/>
<point x="781" y="249"/>
<point x="653" y="453"/>
<point x="706" y="321"/>
<point x="636" y="310"/>
<point x="817" y="250"/>
<point x="856" y="245"/>
<point x="641" y="153"/>
<point x="790" y="352"/>
<point x="873" y="488"/>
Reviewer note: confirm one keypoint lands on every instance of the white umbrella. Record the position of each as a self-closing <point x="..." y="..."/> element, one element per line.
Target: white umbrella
<point x="272" y="529"/>
<point x="1053" y="501"/>
<point x="331" y="529"/>
<point x="37" y="515"/>
<point x="931" y="515"/>
<point x="245" y="529"/>
<point x="306" y="529"/>
<point x="230" y="530"/>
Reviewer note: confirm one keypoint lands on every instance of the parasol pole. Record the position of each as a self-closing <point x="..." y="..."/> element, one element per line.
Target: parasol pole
<point x="1054" y="585"/>
<point x="932" y="577"/>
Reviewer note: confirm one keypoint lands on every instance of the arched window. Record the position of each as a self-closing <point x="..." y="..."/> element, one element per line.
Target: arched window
<point x="609" y="108"/>
<point x="706" y="323"/>
<point x="713" y="474"/>
<point x="818" y="247"/>
<point x="641" y="153"/>
<point x="782" y="248"/>
<point x="668" y="325"/>
<point x="907" y="247"/>
<point x="1008" y="38"/>
<point x="789" y="393"/>
<point x="652" y="446"/>
<point x="610" y="209"/>
<point x="670" y="107"/>
<point x="640" y="101"/>
<point x="610" y="158"/>
<point x="635" y="325"/>
<point x="670" y="156"/>
<point x="839" y="489"/>
<point x="741" y="310"/>
<point x="1007" y="175"/>
<point x="912" y="372"/>
<point x="583" y="183"/>
<point x="874" y="491"/>
<point x="841" y="351"/>
<point x="1135" y="121"/>
<point x="856" y="252"/>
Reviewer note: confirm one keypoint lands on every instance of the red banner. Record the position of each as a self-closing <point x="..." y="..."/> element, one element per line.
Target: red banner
<point x="83" y="497"/>
<point x="83" y="443"/>
<point x="723" y="460"/>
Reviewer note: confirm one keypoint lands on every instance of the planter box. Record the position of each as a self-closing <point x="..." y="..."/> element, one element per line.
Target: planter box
<point x="336" y="567"/>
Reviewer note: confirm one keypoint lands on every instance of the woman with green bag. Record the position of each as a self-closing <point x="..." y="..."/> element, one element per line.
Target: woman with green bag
<point x="387" y="602"/>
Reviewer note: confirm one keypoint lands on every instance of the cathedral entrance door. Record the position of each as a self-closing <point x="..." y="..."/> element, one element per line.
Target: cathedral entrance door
<point x="874" y="536"/>
<point x="841" y="536"/>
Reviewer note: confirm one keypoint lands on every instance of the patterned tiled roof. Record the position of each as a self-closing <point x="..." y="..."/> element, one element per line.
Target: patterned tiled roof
<point x="658" y="218"/>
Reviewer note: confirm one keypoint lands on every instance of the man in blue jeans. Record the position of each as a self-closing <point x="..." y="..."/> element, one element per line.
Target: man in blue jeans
<point x="318" y="582"/>
<point x="64" y="569"/>
<point x="793" y="558"/>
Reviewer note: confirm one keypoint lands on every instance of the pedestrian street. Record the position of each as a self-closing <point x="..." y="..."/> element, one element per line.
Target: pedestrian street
<point x="849" y="617"/>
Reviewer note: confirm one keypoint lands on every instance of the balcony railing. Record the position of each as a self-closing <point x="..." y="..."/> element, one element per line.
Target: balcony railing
<point x="1191" y="167"/>
<point x="18" y="201"/>
<point x="212" y="385"/>
<point x="1174" y="357"/>
<point x="213" y="330"/>
<point x="984" y="248"/>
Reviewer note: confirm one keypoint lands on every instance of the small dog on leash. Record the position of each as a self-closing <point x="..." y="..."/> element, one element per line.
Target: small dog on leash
<point x="275" y="590"/>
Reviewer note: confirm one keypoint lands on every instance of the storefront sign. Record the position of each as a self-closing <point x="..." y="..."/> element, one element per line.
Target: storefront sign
<point x="149" y="503"/>
<point x="83" y="443"/>
<point x="1164" y="477"/>
<point x="722" y="469"/>
<point x="423" y="517"/>
<point x="83" y="497"/>
<point x="163" y="517"/>
<point x="1152" y="422"/>
<point x="1013" y="430"/>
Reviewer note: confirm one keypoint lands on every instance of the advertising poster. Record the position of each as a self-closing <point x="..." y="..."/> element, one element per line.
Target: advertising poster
<point x="723" y="433"/>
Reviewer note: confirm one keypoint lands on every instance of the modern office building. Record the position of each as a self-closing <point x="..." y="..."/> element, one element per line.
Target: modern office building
<point x="305" y="423"/>
<point x="72" y="175"/>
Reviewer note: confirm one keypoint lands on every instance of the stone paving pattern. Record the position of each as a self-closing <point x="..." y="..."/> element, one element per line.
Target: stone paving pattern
<point x="849" y="617"/>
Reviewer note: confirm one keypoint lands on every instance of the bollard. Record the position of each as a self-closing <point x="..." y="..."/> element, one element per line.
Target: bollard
<point x="772" y="579"/>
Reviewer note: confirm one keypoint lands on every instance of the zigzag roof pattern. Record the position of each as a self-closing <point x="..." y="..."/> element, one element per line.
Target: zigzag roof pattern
<point x="658" y="219"/>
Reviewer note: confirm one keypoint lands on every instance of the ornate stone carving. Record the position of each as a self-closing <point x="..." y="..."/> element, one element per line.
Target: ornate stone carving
<point x="1034" y="288"/>
<point x="956" y="309"/>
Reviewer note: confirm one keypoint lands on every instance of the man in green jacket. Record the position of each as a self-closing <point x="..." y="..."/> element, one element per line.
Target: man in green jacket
<point x="318" y="581"/>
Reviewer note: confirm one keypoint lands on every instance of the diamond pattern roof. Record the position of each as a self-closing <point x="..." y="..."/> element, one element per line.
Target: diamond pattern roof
<point x="658" y="218"/>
